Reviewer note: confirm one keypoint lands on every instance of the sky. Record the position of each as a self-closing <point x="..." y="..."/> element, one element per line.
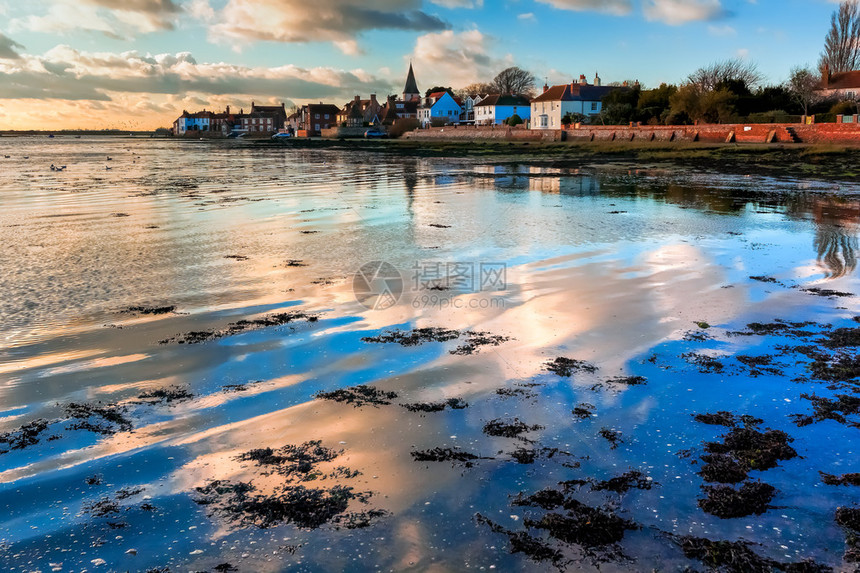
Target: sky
<point x="137" y="64"/>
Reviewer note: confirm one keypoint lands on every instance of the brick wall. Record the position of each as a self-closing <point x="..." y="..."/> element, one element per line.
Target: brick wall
<point x="822" y="133"/>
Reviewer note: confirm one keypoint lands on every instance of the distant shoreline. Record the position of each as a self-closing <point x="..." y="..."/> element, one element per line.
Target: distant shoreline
<point x="111" y="132"/>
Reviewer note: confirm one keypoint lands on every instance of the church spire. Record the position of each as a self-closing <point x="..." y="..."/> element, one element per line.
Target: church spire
<point x="410" y="92"/>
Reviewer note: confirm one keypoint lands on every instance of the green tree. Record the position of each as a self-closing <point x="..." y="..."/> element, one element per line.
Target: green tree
<point x="515" y="120"/>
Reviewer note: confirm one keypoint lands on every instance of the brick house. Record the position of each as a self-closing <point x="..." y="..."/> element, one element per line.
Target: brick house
<point x="843" y="86"/>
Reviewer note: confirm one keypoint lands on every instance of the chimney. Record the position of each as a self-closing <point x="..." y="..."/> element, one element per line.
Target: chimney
<point x="373" y="99"/>
<point x="228" y="110"/>
<point x="357" y="99"/>
<point x="582" y="81"/>
<point x="596" y="79"/>
<point x="825" y="75"/>
<point x="545" y="88"/>
<point x="635" y="83"/>
<point x="624" y="84"/>
<point x="252" y="105"/>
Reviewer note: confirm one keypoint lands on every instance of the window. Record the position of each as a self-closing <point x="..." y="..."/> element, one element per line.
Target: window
<point x="318" y="125"/>
<point x="326" y="116"/>
<point x="594" y="106"/>
<point x="317" y="116"/>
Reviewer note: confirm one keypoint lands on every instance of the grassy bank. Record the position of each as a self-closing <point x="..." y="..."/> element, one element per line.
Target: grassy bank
<point x="795" y="160"/>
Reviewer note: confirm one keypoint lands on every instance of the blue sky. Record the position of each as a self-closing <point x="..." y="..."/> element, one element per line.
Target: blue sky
<point x="138" y="63"/>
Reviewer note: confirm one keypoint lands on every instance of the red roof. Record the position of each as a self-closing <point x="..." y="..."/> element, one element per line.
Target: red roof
<point x="842" y="81"/>
<point x="437" y="95"/>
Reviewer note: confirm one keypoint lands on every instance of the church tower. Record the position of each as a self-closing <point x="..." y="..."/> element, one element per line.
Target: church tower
<point x="410" y="92"/>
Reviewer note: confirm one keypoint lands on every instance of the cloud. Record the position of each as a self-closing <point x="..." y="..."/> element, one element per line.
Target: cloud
<point x="8" y="48"/>
<point x="677" y="12"/>
<point x="527" y="16"/>
<point x="617" y="7"/>
<point x="120" y="19"/>
<point x="321" y="20"/>
<point x="155" y="88"/>
<point x="456" y="59"/>
<point x="459" y="3"/>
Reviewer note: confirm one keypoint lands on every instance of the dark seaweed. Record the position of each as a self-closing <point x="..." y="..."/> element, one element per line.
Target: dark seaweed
<point x="508" y="428"/>
<point x="829" y="409"/>
<point x="750" y="449"/>
<point x="99" y="418"/>
<point x="727" y="419"/>
<point x="706" y="364"/>
<point x="584" y="525"/>
<point x="358" y="396"/>
<point x="167" y="395"/>
<point x="567" y="366"/>
<point x="25" y="436"/>
<point x="726" y="502"/>
<point x="844" y="479"/>
<point x="150" y="309"/>
<point x="446" y="455"/>
<point x="474" y="340"/>
<point x="611" y="436"/>
<point x="280" y="319"/>
<point x="827" y="292"/>
<point x="414" y="337"/>
<point x="452" y="403"/>
<point x="293" y="460"/>
<point x="583" y="411"/>
<point x="628" y="380"/>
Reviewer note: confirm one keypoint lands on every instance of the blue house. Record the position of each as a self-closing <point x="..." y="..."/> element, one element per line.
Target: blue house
<point x="497" y="109"/>
<point x="440" y="107"/>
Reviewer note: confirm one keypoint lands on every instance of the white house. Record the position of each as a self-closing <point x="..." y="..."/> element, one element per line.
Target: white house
<point x="440" y="107"/>
<point x="469" y="103"/>
<point x="497" y="109"/>
<point x="555" y="102"/>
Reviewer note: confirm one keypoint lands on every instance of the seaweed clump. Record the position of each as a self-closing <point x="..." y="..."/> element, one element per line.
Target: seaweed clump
<point x="414" y="337"/>
<point x="844" y="479"/>
<point x="475" y="340"/>
<point x="566" y="367"/>
<point x="166" y="395"/>
<point x="583" y="411"/>
<point x="726" y="502"/>
<point x="508" y="428"/>
<point x="446" y="455"/>
<point x="743" y="450"/>
<point x="293" y="460"/>
<point x="358" y="396"/>
<point x="428" y="407"/>
<point x="279" y="319"/>
<point x="829" y="409"/>
<point x="99" y="418"/>
<point x="727" y="419"/>
<point x="25" y="436"/>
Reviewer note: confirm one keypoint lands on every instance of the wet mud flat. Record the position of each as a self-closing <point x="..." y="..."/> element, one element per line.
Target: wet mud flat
<point x="605" y="419"/>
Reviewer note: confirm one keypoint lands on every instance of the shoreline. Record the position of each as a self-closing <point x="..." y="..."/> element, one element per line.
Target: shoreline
<point x="808" y="161"/>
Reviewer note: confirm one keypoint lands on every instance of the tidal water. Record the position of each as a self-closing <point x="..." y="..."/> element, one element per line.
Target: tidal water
<point x="146" y="350"/>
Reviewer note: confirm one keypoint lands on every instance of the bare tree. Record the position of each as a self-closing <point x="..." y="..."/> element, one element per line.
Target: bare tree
<point x="477" y="88"/>
<point x="726" y="72"/>
<point x="515" y="80"/>
<point x="842" y="44"/>
<point x="803" y="86"/>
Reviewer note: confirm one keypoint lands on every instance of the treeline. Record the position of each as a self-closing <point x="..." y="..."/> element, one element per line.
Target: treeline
<point x="725" y="92"/>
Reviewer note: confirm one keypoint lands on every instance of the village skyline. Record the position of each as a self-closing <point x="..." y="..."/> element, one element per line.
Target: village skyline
<point x="104" y="64"/>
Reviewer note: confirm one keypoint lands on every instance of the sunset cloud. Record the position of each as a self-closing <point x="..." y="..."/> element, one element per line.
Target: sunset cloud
<point x="619" y="7"/>
<point x="322" y="20"/>
<point x="457" y="59"/>
<point x="103" y="79"/>
<point x="677" y="12"/>
<point x="8" y="48"/>
<point x="119" y="19"/>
